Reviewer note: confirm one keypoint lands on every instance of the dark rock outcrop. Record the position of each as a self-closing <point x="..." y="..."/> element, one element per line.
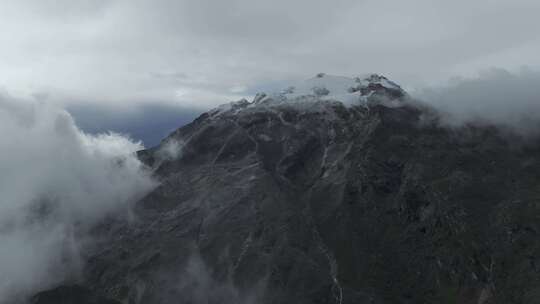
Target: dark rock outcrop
<point x="69" y="295"/>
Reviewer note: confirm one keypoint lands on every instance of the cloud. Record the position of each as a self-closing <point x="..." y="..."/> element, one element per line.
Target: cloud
<point x="170" y="150"/>
<point x="495" y="96"/>
<point x="197" y="53"/>
<point x="196" y="284"/>
<point x="56" y="182"/>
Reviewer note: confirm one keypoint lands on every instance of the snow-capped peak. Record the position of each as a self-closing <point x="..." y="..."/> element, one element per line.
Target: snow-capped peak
<point x="363" y="90"/>
<point x="349" y="90"/>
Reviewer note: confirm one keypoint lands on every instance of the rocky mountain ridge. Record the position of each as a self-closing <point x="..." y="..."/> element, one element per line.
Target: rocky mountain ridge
<point x="332" y="191"/>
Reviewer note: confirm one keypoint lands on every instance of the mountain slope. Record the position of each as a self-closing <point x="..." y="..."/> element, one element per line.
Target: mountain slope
<point x="302" y="198"/>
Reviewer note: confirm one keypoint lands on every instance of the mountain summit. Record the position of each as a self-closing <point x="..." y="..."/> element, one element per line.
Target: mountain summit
<point x="334" y="190"/>
<point x="365" y="90"/>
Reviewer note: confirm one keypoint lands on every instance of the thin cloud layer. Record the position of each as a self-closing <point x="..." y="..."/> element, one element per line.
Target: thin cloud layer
<point x="56" y="182"/>
<point x="495" y="96"/>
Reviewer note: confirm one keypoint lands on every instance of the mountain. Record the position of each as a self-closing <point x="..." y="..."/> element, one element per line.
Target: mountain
<point x="334" y="190"/>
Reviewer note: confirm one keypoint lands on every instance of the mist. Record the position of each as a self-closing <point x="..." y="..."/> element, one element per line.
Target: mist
<point x="197" y="285"/>
<point x="56" y="182"/>
<point x="494" y="97"/>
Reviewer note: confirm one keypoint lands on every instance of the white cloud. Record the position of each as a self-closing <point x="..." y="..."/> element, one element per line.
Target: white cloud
<point x="169" y="150"/>
<point x="56" y="182"/>
<point x="494" y="96"/>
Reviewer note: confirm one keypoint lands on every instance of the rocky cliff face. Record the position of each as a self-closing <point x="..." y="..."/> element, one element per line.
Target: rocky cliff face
<point x="323" y="197"/>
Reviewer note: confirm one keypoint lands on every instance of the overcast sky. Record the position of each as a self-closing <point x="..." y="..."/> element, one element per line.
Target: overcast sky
<point x="199" y="53"/>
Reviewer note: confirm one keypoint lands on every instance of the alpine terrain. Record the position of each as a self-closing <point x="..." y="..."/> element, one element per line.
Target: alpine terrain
<point x="335" y="190"/>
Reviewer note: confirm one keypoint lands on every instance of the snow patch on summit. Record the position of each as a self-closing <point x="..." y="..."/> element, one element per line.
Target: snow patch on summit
<point x="348" y="90"/>
<point x="358" y="91"/>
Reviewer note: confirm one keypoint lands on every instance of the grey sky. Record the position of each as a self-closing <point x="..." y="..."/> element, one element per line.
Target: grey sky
<point x="202" y="53"/>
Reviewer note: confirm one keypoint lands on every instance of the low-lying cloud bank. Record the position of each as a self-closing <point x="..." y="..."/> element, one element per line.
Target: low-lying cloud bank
<point x="55" y="182"/>
<point x="496" y="96"/>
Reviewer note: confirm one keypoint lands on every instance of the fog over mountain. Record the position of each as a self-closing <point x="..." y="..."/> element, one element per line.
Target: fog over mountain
<point x="252" y="152"/>
<point x="495" y="96"/>
<point x="59" y="183"/>
<point x="56" y="182"/>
